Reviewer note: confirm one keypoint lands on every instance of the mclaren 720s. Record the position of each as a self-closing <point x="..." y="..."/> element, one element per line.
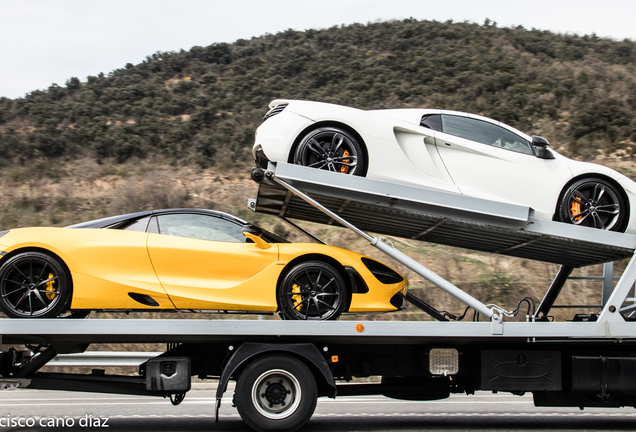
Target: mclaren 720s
<point x="186" y="259"/>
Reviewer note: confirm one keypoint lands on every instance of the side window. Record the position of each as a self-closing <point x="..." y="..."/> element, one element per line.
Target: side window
<point x="432" y="121"/>
<point x="138" y="225"/>
<point x="200" y="227"/>
<point x="484" y="133"/>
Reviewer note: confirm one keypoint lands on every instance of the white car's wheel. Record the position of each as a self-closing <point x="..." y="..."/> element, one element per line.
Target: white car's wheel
<point x="332" y="149"/>
<point x="596" y="203"/>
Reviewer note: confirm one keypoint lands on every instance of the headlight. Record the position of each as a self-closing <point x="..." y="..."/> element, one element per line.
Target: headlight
<point x="382" y="273"/>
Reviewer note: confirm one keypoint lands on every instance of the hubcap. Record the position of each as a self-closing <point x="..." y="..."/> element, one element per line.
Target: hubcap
<point x="276" y="394"/>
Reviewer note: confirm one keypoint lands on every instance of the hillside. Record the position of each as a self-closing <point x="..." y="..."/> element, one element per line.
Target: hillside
<point x="202" y="106"/>
<point x="177" y="129"/>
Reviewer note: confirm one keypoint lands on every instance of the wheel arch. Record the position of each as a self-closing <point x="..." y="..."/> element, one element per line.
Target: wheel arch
<point x="590" y="175"/>
<point x="41" y="250"/>
<point x="305" y="352"/>
<point x="319" y="257"/>
<point x="332" y="123"/>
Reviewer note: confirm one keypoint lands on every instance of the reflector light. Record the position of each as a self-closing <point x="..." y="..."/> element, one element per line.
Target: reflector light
<point x="443" y="361"/>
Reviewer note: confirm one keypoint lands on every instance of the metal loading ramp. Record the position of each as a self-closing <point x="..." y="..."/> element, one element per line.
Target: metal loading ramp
<point x="436" y="217"/>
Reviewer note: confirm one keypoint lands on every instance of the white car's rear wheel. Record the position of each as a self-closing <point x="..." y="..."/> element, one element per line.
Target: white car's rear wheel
<point x="595" y="203"/>
<point x="332" y="149"/>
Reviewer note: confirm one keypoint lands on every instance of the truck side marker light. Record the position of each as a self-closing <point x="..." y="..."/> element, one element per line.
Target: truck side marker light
<point x="334" y="359"/>
<point x="359" y="328"/>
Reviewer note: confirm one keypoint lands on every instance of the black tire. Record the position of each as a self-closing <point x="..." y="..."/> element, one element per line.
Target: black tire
<point x="276" y="393"/>
<point x="312" y="290"/>
<point x="34" y="285"/>
<point x="596" y="203"/>
<point x="331" y="149"/>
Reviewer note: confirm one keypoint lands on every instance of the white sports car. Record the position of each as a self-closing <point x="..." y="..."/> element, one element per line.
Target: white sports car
<point x="449" y="151"/>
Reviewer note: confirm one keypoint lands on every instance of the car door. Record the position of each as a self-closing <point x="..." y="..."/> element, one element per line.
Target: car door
<point x="205" y="262"/>
<point x="486" y="160"/>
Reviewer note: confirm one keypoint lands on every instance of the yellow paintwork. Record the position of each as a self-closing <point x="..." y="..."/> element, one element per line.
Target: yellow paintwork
<point x="183" y="273"/>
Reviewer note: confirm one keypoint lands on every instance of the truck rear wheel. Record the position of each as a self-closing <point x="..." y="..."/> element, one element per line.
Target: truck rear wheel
<point x="276" y="393"/>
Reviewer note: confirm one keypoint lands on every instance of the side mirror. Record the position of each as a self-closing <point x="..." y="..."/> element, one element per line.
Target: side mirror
<point x="254" y="233"/>
<point x="541" y="144"/>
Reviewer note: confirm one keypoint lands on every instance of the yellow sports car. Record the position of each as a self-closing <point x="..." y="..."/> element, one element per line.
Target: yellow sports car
<point x="186" y="259"/>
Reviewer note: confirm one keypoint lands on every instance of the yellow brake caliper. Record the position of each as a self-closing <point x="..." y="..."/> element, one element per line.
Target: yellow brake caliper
<point x="49" y="287"/>
<point x="345" y="169"/>
<point x="297" y="298"/>
<point x="575" y="208"/>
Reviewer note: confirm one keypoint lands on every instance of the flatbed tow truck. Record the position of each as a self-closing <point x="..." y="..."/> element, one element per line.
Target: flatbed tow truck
<point x="281" y="368"/>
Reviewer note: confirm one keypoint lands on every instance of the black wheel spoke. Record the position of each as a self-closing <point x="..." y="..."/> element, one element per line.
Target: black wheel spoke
<point x="46" y="281"/>
<point x="30" y="304"/>
<point x="342" y="160"/>
<point x="336" y="146"/>
<point x="46" y="265"/>
<point x="612" y="209"/>
<point x="315" y="147"/>
<point x="579" y="198"/>
<point x="312" y="285"/>
<point x="13" y="292"/>
<point x="39" y="297"/>
<point x="325" y="303"/>
<point x="598" y="222"/>
<point x="599" y="190"/>
<point x="26" y="278"/>
<point x="15" y="282"/>
<point x="326" y="285"/>
<point x="579" y="218"/>
<point x="316" y="305"/>
<point x="47" y="292"/>
<point x="24" y="296"/>
<point x="318" y="165"/>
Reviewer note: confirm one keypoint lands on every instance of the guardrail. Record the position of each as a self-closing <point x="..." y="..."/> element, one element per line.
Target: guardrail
<point x="103" y="358"/>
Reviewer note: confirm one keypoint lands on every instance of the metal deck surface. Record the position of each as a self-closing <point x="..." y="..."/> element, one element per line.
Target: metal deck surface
<point x="437" y="217"/>
<point x="56" y="331"/>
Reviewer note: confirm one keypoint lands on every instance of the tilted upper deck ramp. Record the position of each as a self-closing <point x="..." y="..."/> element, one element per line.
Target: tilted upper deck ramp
<point x="437" y="217"/>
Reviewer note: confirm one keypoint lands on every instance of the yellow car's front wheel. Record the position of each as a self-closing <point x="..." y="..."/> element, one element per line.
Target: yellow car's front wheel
<point x="34" y="285"/>
<point x="313" y="290"/>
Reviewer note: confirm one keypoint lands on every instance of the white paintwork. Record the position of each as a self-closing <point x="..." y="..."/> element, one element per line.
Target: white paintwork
<point x="402" y="151"/>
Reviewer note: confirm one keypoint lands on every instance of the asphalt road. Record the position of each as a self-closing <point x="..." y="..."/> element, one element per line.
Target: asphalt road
<point x="481" y="412"/>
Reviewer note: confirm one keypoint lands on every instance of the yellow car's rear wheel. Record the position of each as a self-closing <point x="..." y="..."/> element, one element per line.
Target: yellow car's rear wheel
<point x="34" y="285"/>
<point x="312" y="290"/>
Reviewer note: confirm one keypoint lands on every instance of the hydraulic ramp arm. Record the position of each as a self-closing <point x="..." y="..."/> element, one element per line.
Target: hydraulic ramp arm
<point x="493" y="312"/>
